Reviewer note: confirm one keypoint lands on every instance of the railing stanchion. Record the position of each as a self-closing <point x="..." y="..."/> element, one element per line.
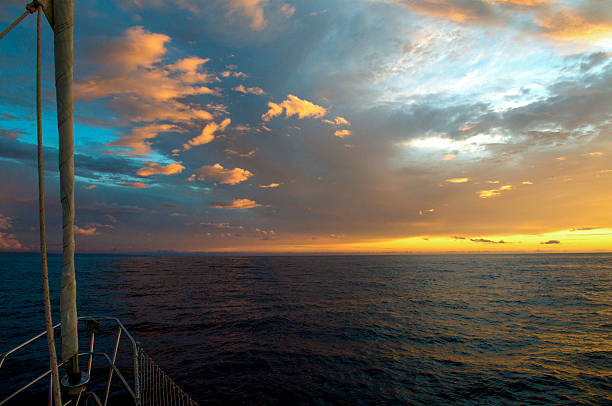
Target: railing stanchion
<point x="110" y="373"/>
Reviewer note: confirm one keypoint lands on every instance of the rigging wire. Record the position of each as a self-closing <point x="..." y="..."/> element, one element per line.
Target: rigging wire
<point x="41" y="216"/>
<point x="17" y="21"/>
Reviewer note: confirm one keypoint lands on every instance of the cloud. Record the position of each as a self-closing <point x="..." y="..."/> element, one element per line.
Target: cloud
<point x="208" y="133"/>
<point x="7" y="116"/>
<point x="8" y="241"/>
<point x="449" y="157"/>
<point x="249" y="154"/>
<point x="562" y="21"/>
<point x="11" y="134"/>
<point x="292" y="106"/>
<point x="270" y="186"/>
<point x="89" y="187"/>
<point x="341" y="121"/>
<point x="224" y="225"/>
<point x="6" y="222"/>
<point x="343" y="133"/>
<point x="143" y="91"/>
<point x="266" y="234"/>
<point x="568" y="25"/>
<point x="287" y="9"/>
<point x="236" y="204"/>
<point x="249" y="90"/>
<point x="486" y="194"/>
<point x="154" y="168"/>
<point x="551" y="242"/>
<point x="457" y="180"/>
<point x="456" y="237"/>
<point x="190" y="69"/>
<point x="228" y="73"/>
<point x="223" y="175"/>
<point x="135" y="185"/>
<point x="85" y="231"/>
<point x="137" y="141"/>
<point x="337" y="121"/>
<point x="584" y="229"/>
<point x="488" y="241"/>
<point x="252" y="9"/>
<point x="135" y="67"/>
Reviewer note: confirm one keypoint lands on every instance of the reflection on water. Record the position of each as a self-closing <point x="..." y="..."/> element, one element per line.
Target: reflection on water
<point x="523" y="329"/>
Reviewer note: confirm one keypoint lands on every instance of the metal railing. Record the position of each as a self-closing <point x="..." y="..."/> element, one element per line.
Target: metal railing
<point x="150" y="384"/>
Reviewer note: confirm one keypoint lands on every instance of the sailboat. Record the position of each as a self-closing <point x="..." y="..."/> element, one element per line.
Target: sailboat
<point x="145" y="382"/>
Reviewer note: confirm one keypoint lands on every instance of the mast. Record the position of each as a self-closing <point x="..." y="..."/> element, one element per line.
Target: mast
<point x="63" y="26"/>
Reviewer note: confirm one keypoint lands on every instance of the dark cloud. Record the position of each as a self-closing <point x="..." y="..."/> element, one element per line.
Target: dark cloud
<point x="488" y="241"/>
<point x="12" y="134"/>
<point x="551" y="242"/>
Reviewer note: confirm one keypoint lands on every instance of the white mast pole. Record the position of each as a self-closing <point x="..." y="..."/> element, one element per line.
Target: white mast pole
<point x="63" y="11"/>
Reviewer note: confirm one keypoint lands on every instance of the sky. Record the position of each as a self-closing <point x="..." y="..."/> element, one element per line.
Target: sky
<point x="362" y="126"/>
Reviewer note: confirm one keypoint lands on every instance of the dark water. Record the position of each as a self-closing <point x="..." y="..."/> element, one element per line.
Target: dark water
<point x="464" y="329"/>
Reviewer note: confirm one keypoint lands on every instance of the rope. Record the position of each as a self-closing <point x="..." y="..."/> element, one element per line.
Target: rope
<point x="43" y="233"/>
<point x="17" y="21"/>
<point x="156" y="388"/>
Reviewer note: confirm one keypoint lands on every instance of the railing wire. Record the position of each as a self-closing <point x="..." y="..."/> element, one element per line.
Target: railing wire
<point x="156" y="388"/>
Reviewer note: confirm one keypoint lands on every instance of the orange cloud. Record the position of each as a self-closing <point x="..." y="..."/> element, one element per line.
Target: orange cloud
<point x="155" y="168"/>
<point x="136" y="142"/>
<point x="341" y="121"/>
<point x="457" y="180"/>
<point x="270" y="186"/>
<point x="208" y="133"/>
<point x="135" y="185"/>
<point x="236" y="204"/>
<point x="553" y="19"/>
<point x="486" y="194"/>
<point x="135" y="68"/>
<point x="190" y="70"/>
<point x="85" y="231"/>
<point x="449" y="157"/>
<point x="89" y="187"/>
<point x="292" y="106"/>
<point x="343" y="133"/>
<point x="567" y="26"/>
<point x="337" y="121"/>
<point x="223" y="175"/>
<point x="144" y="90"/>
<point x="9" y="242"/>
<point x="228" y="73"/>
<point x="252" y="90"/>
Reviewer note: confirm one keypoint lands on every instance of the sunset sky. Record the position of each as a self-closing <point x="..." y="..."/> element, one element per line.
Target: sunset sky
<point x="319" y="126"/>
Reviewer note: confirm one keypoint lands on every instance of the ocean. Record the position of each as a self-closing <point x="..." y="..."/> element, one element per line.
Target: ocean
<point x="344" y="330"/>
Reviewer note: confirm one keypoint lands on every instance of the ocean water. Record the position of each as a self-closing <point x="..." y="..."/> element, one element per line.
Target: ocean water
<point x="340" y="330"/>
